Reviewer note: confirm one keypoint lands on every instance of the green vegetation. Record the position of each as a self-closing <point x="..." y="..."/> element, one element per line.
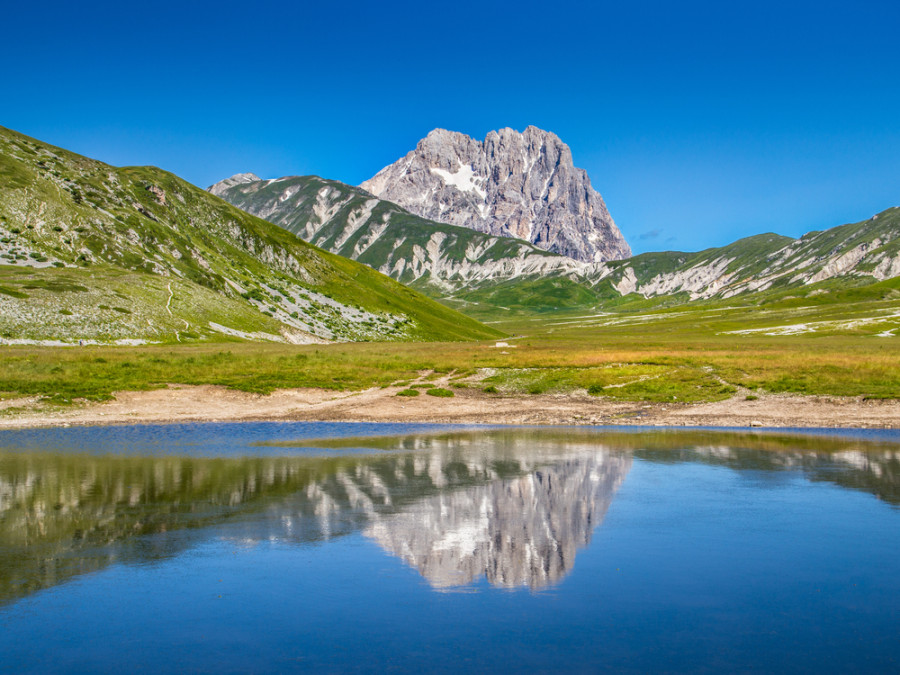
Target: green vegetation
<point x="525" y="296"/>
<point x="698" y="353"/>
<point x="137" y="255"/>
<point x="71" y="225"/>
<point x="408" y="392"/>
<point x="440" y="392"/>
<point x="759" y="269"/>
<point x="88" y="304"/>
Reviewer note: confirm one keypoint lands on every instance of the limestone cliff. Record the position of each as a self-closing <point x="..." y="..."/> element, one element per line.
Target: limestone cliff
<point x="512" y="184"/>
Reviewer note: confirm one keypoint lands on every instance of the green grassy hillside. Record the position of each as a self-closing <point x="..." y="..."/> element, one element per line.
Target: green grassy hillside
<point x="102" y="253"/>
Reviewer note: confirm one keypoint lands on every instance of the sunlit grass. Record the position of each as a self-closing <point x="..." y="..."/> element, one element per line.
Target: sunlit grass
<point x="685" y="355"/>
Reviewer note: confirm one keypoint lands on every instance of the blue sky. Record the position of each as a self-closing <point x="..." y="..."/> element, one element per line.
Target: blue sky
<point x="699" y="122"/>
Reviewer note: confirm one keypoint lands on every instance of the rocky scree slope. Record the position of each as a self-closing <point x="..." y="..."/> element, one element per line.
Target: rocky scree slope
<point x="98" y="253"/>
<point x="512" y="184"/>
<point x="848" y="255"/>
<point x="856" y="255"/>
<point x="438" y="258"/>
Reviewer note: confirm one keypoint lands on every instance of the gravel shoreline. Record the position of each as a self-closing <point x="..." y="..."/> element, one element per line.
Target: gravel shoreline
<point x="209" y="403"/>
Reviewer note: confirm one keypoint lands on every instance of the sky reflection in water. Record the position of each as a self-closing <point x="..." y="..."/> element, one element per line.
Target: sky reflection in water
<point x="250" y="547"/>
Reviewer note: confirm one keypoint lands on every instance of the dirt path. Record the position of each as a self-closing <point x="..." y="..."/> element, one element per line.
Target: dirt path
<point x="213" y="403"/>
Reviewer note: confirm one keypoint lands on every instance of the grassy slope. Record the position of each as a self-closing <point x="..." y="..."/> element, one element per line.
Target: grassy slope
<point x="844" y="345"/>
<point x="117" y="304"/>
<point x="524" y="296"/>
<point x="749" y="254"/>
<point x="789" y="262"/>
<point x="521" y="297"/>
<point x="57" y="208"/>
<point x="883" y="227"/>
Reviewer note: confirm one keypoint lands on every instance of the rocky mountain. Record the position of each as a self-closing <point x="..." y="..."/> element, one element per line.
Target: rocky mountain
<point x="91" y="252"/>
<point x="849" y="255"/>
<point x="512" y="184"/>
<point x="749" y="270"/>
<point x="346" y="220"/>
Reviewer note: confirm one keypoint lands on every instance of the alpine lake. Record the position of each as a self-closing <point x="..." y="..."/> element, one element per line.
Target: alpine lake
<point x="296" y="547"/>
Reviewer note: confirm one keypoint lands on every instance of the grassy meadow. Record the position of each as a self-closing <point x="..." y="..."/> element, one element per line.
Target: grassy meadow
<point x="688" y="354"/>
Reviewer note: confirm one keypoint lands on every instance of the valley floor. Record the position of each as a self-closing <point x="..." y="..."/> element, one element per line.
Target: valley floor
<point x="208" y="403"/>
<point x="706" y="365"/>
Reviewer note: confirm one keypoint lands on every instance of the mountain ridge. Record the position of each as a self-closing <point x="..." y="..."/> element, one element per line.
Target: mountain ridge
<point x="351" y="222"/>
<point x="463" y="266"/>
<point x="523" y="185"/>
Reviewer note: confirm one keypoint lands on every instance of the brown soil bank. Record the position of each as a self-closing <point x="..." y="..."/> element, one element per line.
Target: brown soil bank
<point x="212" y="403"/>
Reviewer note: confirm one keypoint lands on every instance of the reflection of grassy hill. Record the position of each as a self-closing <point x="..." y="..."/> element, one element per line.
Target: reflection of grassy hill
<point x="66" y="515"/>
<point x="181" y="263"/>
<point x="83" y="512"/>
<point x="869" y="465"/>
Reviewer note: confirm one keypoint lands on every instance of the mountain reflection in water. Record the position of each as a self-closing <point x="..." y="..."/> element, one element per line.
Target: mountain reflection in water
<point x="511" y="506"/>
<point x="522" y="531"/>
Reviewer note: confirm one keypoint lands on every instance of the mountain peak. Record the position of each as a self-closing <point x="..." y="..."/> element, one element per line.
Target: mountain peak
<point x="512" y="184"/>
<point x="237" y="179"/>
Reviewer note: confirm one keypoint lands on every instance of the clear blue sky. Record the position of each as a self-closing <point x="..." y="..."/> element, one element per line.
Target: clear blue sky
<point x="699" y="122"/>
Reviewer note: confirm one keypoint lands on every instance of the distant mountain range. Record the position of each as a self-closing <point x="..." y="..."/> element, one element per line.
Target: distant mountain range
<point x="469" y="268"/>
<point x="96" y="253"/>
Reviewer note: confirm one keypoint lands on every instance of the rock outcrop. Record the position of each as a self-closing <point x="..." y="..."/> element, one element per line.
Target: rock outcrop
<point x="512" y="184"/>
<point x="222" y="186"/>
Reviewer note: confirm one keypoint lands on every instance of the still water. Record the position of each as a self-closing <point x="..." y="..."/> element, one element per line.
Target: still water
<point x="350" y="547"/>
